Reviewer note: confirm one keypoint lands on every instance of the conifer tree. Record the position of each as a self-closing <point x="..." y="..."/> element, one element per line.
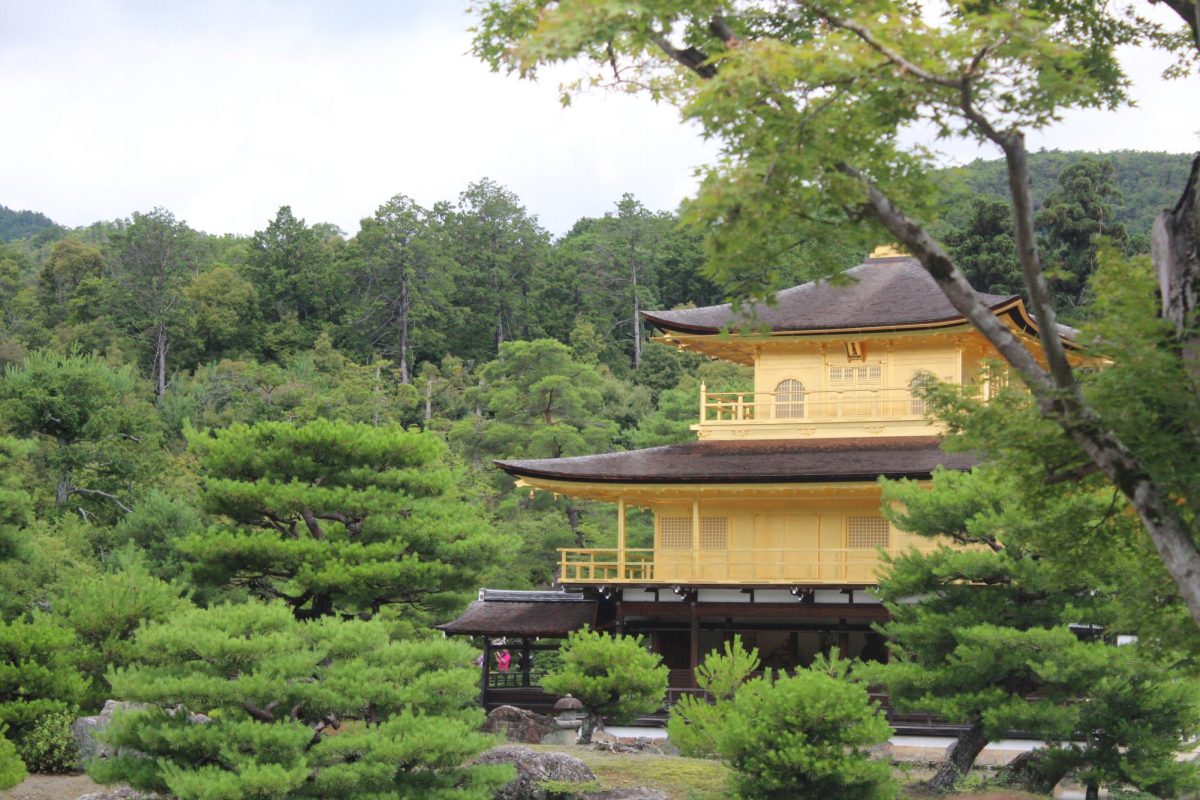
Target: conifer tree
<point x="613" y="676"/>
<point x="274" y="691"/>
<point x="337" y="518"/>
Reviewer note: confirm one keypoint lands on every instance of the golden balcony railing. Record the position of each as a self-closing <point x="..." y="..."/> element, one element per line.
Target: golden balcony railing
<point x="764" y="566"/>
<point x="806" y="406"/>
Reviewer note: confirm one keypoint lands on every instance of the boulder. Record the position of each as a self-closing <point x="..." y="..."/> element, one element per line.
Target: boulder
<point x="85" y="730"/>
<point x="519" y="725"/>
<point x="533" y="769"/>
<point x="635" y="793"/>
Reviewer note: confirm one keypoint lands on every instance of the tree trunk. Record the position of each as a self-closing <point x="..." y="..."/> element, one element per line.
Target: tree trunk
<point x="1058" y="397"/>
<point x="1027" y="772"/>
<point x="636" y="321"/>
<point x="428" y="400"/>
<point x="322" y="606"/>
<point x="1092" y="791"/>
<point x="590" y="723"/>
<point x="573" y="521"/>
<point x="405" y="378"/>
<point x="960" y="757"/>
<point x="1174" y="244"/>
<point x="160" y="360"/>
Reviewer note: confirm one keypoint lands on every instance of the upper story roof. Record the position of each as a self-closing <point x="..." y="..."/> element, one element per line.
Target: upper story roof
<point x="774" y="461"/>
<point x="893" y="292"/>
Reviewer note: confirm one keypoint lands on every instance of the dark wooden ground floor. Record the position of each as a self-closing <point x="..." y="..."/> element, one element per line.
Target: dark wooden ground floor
<point x="788" y="636"/>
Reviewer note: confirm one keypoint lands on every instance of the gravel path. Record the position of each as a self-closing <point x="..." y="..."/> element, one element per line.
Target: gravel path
<point x="51" y="787"/>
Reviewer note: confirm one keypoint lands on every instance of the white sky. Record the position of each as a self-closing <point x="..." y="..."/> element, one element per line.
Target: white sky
<point x="224" y="110"/>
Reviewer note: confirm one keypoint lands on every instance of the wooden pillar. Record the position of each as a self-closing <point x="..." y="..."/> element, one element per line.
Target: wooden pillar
<point x="484" y="672"/>
<point x="843" y="640"/>
<point x="621" y="537"/>
<point x="695" y="645"/>
<point x="620" y="625"/>
<point x="703" y="398"/>
<point x="695" y="538"/>
<point x="525" y="662"/>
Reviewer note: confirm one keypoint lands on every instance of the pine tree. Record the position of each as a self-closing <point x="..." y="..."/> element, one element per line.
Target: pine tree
<point x="337" y="518"/>
<point x="323" y="709"/>
<point x="614" y="677"/>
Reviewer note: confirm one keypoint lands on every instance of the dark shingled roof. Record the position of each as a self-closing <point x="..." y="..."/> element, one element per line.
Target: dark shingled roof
<point x="500" y="612"/>
<point x="782" y="461"/>
<point x="886" y="292"/>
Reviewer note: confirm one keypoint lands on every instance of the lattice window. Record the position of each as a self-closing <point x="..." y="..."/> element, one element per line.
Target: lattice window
<point x="865" y="376"/>
<point x="714" y="533"/>
<point x="789" y="399"/>
<point x="867" y="532"/>
<point x="917" y="402"/>
<point x="675" y="533"/>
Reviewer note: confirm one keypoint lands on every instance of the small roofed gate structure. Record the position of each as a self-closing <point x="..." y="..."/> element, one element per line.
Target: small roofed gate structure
<point x="516" y="628"/>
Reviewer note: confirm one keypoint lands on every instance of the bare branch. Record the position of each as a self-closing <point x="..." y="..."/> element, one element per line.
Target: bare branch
<point x="98" y="493"/>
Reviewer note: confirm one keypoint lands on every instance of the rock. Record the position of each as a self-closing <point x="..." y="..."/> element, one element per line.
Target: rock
<point x="560" y="737"/>
<point x="534" y="768"/>
<point x="635" y="793"/>
<point x="85" y="730"/>
<point x="123" y="793"/>
<point x="519" y="725"/>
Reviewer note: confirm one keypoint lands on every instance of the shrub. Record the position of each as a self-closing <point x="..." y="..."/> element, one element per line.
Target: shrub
<point x="694" y="721"/>
<point x="37" y="673"/>
<point x="613" y="676"/>
<point x="274" y="689"/>
<point x="805" y="736"/>
<point x="12" y="770"/>
<point x="49" y="747"/>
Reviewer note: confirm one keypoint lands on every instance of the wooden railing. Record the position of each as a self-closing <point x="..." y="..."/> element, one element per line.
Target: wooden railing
<point x="783" y="566"/>
<point x="851" y="404"/>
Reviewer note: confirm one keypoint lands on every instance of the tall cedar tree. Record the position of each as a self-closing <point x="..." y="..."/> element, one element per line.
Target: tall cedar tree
<point x="500" y="248"/>
<point x="293" y="267"/>
<point x="810" y="103"/>
<point x="402" y="281"/>
<point x="151" y="260"/>
<point x="276" y="690"/>
<point x="337" y="518"/>
<point x="617" y="257"/>
<point x="1082" y="208"/>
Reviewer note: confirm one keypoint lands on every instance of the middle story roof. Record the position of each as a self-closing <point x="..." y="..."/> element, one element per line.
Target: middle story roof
<point x="761" y="461"/>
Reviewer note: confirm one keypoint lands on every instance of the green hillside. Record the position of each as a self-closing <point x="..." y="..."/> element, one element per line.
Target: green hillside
<point x="22" y="224"/>
<point x="1149" y="182"/>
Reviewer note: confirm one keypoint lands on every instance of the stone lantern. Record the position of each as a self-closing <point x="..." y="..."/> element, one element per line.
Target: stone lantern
<point x="568" y="713"/>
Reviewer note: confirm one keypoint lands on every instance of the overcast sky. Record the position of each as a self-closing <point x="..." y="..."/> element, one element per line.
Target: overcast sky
<point x="223" y="111"/>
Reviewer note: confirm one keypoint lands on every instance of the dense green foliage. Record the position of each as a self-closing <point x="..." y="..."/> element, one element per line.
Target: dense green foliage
<point x="695" y="721"/>
<point x="270" y="685"/>
<point x="12" y="769"/>
<point x="1147" y="182"/>
<point x="615" y="677"/>
<point x="337" y="518"/>
<point x="805" y="735"/>
<point x="954" y="656"/>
